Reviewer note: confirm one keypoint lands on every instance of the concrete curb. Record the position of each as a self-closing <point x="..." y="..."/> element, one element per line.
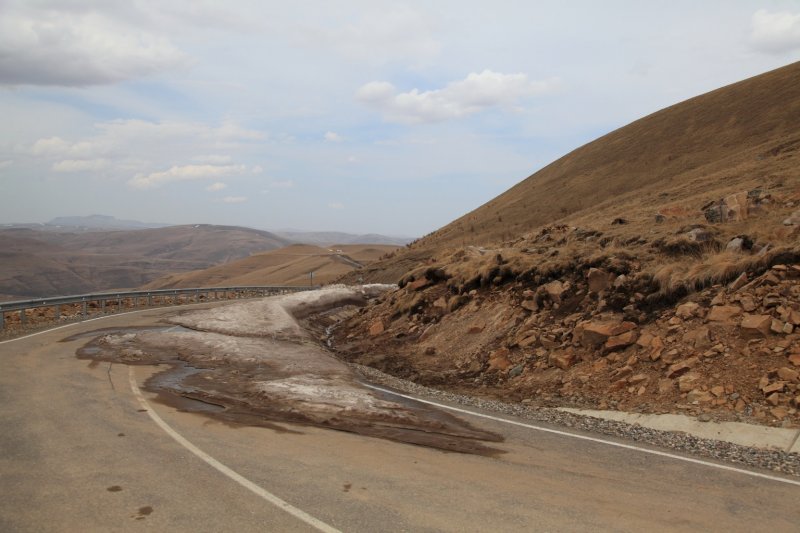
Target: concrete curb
<point x="740" y="433"/>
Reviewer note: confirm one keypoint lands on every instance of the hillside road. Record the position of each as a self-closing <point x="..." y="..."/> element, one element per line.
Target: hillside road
<point x="84" y="448"/>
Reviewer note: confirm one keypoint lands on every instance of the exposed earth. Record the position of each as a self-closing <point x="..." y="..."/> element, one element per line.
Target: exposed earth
<point x="251" y="362"/>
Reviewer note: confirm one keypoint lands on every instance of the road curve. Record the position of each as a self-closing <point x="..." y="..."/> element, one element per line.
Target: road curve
<point x="80" y="452"/>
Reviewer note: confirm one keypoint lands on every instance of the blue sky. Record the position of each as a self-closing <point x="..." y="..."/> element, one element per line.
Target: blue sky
<point x="384" y="117"/>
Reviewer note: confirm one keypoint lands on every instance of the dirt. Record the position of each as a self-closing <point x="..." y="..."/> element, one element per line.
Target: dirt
<point x="251" y="363"/>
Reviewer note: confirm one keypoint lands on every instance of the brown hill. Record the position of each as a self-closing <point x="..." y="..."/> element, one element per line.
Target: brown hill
<point x="656" y="269"/>
<point x="43" y="263"/>
<point x="737" y="137"/>
<point x="286" y="266"/>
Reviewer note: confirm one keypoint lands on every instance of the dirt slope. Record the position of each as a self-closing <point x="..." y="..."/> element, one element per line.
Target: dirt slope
<point x="285" y="266"/>
<point x="655" y="269"/>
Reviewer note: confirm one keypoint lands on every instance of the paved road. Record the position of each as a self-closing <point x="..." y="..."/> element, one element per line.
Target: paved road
<point x="79" y="452"/>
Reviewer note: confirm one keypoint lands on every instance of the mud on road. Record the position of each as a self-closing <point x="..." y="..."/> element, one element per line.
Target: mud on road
<point x="252" y="363"/>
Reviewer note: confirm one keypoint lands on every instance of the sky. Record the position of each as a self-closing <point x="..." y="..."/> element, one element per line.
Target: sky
<point x="364" y="117"/>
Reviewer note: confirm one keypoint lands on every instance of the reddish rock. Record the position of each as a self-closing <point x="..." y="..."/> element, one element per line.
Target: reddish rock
<point x="687" y="381"/>
<point x="440" y="302"/>
<point x="788" y="374"/>
<point x="638" y="378"/>
<point x="595" y="334"/>
<point x="739" y="282"/>
<point x="778" y="386"/>
<point x="430" y="350"/>
<point x="699" y="396"/>
<point x="619" y="342"/>
<point x="598" y="279"/>
<point x="562" y="360"/>
<point x="755" y="325"/>
<point x="498" y="359"/>
<point x="795" y="359"/>
<point x="687" y="310"/>
<point x="530" y="305"/>
<point x="418" y="284"/>
<point x="377" y="327"/>
<point x="682" y="367"/>
<point x="665" y="385"/>
<point x="554" y="289"/>
<point x="724" y="313"/>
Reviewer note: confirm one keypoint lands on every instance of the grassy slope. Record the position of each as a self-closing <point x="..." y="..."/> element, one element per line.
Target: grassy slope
<point x="723" y="141"/>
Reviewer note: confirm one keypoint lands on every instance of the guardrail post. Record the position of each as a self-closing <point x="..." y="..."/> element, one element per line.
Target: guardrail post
<point x="102" y="305"/>
<point x="58" y="312"/>
<point x="119" y="303"/>
<point x="22" y="316"/>
<point x="83" y="308"/>
<point x="149" y="299"/>
<point x="2" y="319"/>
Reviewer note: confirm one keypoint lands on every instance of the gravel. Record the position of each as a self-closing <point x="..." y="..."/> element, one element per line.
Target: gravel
<point x="766" y="459"/>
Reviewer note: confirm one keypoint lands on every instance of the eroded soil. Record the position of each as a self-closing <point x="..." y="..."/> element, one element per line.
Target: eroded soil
<point x="252" y="363"/>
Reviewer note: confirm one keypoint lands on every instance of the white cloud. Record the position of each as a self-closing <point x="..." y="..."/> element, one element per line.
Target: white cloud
<point x="257" y="169"/>
<point x="234" y="199"/>
<point x="5" y="164"/>
<point x="336" y="205"/>
<point x="77" y="45"/>
<point x="775" y="33"/>
<point x="333" y="137"/>
<point x="79" y="165"/>
<point x="475" y="93"/>
<point x="216" y="186"/>
<point x="184" y="173"/>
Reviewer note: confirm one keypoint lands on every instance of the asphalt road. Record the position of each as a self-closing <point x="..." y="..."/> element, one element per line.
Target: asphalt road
<point x="81" y="450"/>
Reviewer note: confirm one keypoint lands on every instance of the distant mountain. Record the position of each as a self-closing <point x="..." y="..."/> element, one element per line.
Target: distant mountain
<point x="327" y="238"/>
<point x="38" y="263"/>
<point x="100" y="222"/>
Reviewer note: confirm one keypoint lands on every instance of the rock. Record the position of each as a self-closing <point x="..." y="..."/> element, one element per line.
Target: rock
<point x="638" y="378"/>
<point x="705" y="417"/>
<point x="440" y="302"/>
<point x="644" y="339"/>
<point x="748" y="304"/>
<point x="793" y="219"/>
<point x="739" y="282"/>
<point x="457" y="302"/>
<point x="724" y="313"/>
<point x="699" y="235"/>
<point x="595" y="334"/>
<point x="527" y="341"/>
<point x="778" y="386"/>
<point x="699" y="396"/>
<point x="687" y="310"/>
<point x="498" y="359"/>
<point x="554" y="289"/>
<point x="476" y="327"/>
<point x="516" y="371"/>
<point x="618" y="221"/>
<point x="755" y="325"/>
<point x="682" y="367"/>
<point x="418" y="284"/>
<point x="687" y="381"/>
<point x="562" y="360"/>
<point x="700" y="337"/>
<point x="776" y="326"/>
<point x="430" y="350"/>
<point x="795" y="359"/>
<point x="719" y="299"/>
<point x="735" y="245"/>
<point x="530" y="305"/>
<point x="774" y="398"/>
<point x="377" y="327"/>
<point x="779" y="412"/>
<point x="788" y="374"/>
<point x="718" y="391"/>
<point x="787" y="329"/>
<point x="623" y="340"/>
<point x="620" y="281"/>
<point x="598" y="279"/>
<point x="665" y="385"/>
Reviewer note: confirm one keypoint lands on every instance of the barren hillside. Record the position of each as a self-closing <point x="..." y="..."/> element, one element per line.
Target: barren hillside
<point x="43" y="263"/>
<point x="285" y="266"/>
<point x="655" y="269"/>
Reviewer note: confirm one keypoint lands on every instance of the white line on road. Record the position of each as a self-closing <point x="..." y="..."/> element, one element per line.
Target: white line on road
<point x="238" y="478"/>
<point x="592" y="439"/>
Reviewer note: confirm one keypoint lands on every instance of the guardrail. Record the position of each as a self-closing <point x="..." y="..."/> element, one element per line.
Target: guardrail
<point x="106" y="300"/>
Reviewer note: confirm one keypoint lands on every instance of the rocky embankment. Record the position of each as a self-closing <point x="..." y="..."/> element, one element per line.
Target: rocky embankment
<point x="699" y="320"/>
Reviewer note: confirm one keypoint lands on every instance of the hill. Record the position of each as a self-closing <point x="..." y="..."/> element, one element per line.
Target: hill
<point x="44" y="263"/>
<point x="329" y="238"/>
<point x="655" y="269"/>
<point x="290" y="265"/>
<point x="98" y="223"/>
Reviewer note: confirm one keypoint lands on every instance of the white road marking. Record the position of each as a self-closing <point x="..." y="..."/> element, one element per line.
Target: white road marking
<point x="238" y="478"/>
<point x="592" y="439"/>
<point x="84" y="322"/>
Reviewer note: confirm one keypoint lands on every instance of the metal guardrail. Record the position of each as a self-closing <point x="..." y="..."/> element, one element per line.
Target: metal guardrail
<point x="21" y="306"/>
